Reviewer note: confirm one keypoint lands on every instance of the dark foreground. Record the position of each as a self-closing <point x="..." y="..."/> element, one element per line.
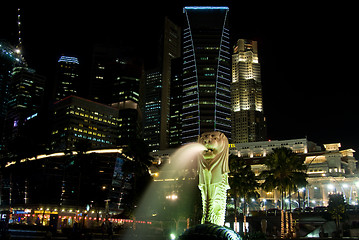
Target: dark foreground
<point x="30" y="234"/>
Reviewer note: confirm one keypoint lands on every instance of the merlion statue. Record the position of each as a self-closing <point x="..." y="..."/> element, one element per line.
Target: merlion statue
<point x="213" y="176"/>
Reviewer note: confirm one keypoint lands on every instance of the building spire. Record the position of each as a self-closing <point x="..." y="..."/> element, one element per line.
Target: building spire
<point x="19" y="43"/>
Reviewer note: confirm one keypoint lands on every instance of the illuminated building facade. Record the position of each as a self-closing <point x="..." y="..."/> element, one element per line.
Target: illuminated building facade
<point x="330" y="170"/>
<point x="206" y="72"/>
<point x="67" y="77"/>
<point x="248" y="121"/>
<point x="78" y="119"/>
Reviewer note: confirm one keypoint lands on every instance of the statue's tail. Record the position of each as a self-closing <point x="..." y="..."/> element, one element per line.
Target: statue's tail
<point x="214" y="198"/>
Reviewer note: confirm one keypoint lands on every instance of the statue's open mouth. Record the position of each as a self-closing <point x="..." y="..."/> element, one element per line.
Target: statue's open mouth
<point x="209" y="150"/>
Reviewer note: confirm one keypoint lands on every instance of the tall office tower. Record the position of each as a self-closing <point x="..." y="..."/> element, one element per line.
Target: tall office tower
<point x="175" y="122"/>
<point x="67" y="77"/>
<point x="26" y="95"/>
<point x="157" y="90"/>
<point x="206" y="72"/>
<point x="127" y="74"/>
<point x="152" y="109"/>
<point x="115" y="75"/>
<point x="171" y="50"/>
<point x="9" y="58"/>
<point x="248" y="121"/>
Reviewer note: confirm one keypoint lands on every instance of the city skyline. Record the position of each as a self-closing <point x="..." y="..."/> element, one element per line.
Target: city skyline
<point x="301" y="64"/>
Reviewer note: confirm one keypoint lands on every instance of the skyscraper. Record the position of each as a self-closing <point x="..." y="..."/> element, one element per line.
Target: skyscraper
<point x="115" y="75"/>
<point x="152" y="109"/>
<point x="9" y="58"/>
<point x="67" y="77"/>
<point x="26" y="95"/>
<point x="248" y="121"/>
<point x="157" y="90"/>
<point x="175" y="122"/>
<point x="206" y="72"/>
<point x="171" y="50"/>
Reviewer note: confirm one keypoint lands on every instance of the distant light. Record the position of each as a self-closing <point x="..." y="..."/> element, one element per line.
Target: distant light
<point x="172" y="236"/>
<point x="331" y="186"/>
<point x="172" y="197"/>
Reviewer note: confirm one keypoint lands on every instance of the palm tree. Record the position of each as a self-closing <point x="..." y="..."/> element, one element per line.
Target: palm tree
<point x="243" y="183"/>
<point x="285" y="172"/>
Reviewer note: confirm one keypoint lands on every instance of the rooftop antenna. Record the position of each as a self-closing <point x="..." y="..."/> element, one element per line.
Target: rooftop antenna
<point x="19" y="43"/>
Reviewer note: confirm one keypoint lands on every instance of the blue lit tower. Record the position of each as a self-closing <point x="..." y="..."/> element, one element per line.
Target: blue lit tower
<point x="67" y="77"/>
<point x="206" y="72"/>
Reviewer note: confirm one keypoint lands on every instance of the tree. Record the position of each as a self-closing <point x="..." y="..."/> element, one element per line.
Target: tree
<point x="336" y="208"/>
<point x="243" y="183"/>
<point x="285" y="172"/>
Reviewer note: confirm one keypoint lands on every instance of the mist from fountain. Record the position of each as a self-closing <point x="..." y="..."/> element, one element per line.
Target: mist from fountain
<point x="169" y="171"/>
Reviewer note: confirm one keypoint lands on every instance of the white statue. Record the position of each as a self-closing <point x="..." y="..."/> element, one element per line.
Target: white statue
<point x="213" y="176"/>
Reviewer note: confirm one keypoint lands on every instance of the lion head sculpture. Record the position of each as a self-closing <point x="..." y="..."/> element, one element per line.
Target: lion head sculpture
<point x="215" y="158"/>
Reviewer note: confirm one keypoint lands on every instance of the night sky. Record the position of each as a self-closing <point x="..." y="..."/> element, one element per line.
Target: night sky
<point x="308" y="53"/>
